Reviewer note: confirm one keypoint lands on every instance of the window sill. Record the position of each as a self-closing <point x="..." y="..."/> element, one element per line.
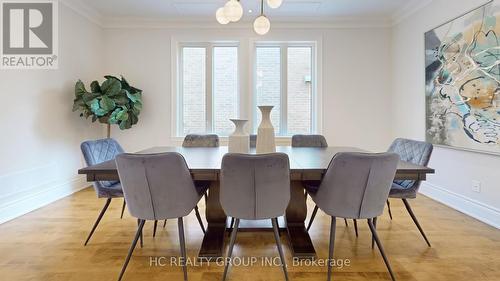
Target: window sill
<point x="280" y="141"/>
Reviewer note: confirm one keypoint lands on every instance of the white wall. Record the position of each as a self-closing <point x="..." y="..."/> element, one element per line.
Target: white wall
<point x="40" y="136"/>
<point x="455" y="170"/>
<point x="355" y="81"/>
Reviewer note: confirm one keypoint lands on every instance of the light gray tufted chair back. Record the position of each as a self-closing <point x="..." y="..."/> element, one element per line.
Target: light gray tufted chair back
<point x="96" y="152"/>
<point x="157" y="186"/>
<point x="194" y="140"/>
<point x="309" y="141"/>
<point x="255" y="187"/>
<point x="356" y="185"/>
<point x="416" y="152"/>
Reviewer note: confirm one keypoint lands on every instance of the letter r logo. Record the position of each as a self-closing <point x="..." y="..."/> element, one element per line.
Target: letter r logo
<point x="27" y="28"/>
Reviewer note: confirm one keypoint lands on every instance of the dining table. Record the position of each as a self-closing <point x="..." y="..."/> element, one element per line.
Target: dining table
<point x="306" y="163"/>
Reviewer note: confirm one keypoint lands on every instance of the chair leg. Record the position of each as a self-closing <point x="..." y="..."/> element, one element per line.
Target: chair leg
<point x="138" y="223"/>
<point x="199" y="219"/>
<point x="331" y="247"/>
<point x="182" y="242"/>
<point x="374" y="225"/>
<point x="389" y="208"/>
<point x="381" y="248"/>
<point x="164" y="223"/>
<point x="132" y="247"/>
<point x="154" y="228"/>
<point x="313" y="215"/>
<point x="106" y="205"/>
<point x="407" y="205"/>
<point x="230" y="250"/>
<point x="123" y="208"/>
<point x="231" y="224"/>
<point x="356" y="227"/>
<point x="278" y="244"/>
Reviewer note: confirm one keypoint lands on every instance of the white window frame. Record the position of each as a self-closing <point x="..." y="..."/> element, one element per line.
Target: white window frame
<point x="177" y="122"/>
<point x="316" y="98"/>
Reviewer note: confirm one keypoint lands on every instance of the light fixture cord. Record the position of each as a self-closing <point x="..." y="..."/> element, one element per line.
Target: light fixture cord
<point x="261" y="7"/>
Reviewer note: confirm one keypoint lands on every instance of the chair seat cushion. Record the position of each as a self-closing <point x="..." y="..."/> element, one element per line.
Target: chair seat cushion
<point x="311" y="186"/>
<point x="113" y="191"/>
<point x="201" y="186"/>
<point x="398" y="191"/>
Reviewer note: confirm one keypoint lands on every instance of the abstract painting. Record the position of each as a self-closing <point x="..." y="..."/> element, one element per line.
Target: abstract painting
<point x="462" y="60"/>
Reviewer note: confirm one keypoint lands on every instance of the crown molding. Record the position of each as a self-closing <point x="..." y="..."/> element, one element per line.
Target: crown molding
<point x="84" y="10"/>
<point x="409" y="9"/>
<point x="282" y="23"/>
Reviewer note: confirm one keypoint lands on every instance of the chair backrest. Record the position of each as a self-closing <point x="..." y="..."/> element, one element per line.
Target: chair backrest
<point x="98" y="151"/>
<point x="357" y="185"/>
<point x="253" y="141"/>
<point x="157" y="186"/>
<point x="309" y="141"/>
<point x="255" y="187"/>
<point x="416" y="152"/>
<point x="194" y="140"/>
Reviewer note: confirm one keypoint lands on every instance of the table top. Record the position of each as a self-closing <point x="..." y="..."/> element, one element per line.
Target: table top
<point x="302" y="159"/>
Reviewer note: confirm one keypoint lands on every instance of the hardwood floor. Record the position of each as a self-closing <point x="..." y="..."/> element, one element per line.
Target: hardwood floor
<point x="47" y="244"/>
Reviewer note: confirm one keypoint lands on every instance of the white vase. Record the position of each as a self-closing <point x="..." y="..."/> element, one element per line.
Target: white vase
<point x="239" y="140"/>
<point x="265" y="133"/>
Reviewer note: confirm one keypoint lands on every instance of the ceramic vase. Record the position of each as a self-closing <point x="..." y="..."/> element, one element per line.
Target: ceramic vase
<point x="265" y="132"/>
<point x="239" y="140"/>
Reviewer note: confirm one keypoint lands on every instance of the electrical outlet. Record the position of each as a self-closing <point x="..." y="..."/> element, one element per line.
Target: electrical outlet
<point x="476" y="186"/>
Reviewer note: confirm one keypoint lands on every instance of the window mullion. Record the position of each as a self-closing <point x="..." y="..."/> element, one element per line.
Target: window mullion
<point x="284" y="91"/>
<point x="209" y="89"/>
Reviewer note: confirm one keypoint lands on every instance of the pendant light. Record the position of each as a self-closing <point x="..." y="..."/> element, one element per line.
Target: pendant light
<point x="233" y="10"/>
<point x="221" y="17"/>
<point x="273" y="4"/>
<point x="262" y="25"/>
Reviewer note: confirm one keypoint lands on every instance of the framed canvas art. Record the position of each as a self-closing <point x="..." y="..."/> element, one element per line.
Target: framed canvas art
<point x="462" y="72"/>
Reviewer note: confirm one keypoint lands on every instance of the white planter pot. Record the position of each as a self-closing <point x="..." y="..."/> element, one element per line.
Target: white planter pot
<point x="239" y="140"/>
<point x="265" y="134"/>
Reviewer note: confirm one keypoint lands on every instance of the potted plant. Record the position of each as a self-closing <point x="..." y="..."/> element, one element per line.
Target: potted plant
<point x="112" y="102"/>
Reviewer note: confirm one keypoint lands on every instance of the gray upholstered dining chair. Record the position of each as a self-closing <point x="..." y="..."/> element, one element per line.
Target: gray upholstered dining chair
<point x="314" y="141"/>
<point x="255" y="187"/>
<point x="194" y="140"/>
<point x="416" y="152"/>
<point x="96" y="152"/>
<point x="355" y="186"/>
<point x="309" y="141"/>
<point x="158" y="187"/>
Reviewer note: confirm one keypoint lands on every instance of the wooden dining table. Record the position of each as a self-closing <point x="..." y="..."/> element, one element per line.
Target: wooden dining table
<point x="306" y="163"/>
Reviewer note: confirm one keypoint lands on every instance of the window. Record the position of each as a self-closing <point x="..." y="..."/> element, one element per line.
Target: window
<point x="284" y="78"/>
<point x="209" y="77"/>
<point x="208" y="88"/>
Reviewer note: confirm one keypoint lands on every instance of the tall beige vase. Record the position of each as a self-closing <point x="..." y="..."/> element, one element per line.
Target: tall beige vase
<point x="265" y="133"/>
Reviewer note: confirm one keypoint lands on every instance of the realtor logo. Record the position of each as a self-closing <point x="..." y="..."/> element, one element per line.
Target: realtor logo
<point x="29" y="34"/>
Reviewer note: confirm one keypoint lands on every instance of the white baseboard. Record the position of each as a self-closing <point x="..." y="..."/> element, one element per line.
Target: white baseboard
<point x="471" y="207"/>
<point x="45" y="194"/>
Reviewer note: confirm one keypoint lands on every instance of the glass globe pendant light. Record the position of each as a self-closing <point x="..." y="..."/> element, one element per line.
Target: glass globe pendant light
<point x="233" y="10"/>
<point x="221" y="17"/>
<point x="274" y="3"/>
<point x="262" y="25"/>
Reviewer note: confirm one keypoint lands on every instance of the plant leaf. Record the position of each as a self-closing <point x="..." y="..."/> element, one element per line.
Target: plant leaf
<point x="107" y="103"/>
<point x="79" y="88"/>
<point x="122" y="115"/>
<point x="111" y="87"/>
<point x="94" y="87"/>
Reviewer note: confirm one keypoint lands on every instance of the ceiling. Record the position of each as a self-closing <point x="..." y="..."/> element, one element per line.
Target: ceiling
<point x="204" y="10"/>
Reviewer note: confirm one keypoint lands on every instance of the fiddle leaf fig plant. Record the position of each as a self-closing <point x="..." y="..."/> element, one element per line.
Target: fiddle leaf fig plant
<point x="112" y="102"/>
